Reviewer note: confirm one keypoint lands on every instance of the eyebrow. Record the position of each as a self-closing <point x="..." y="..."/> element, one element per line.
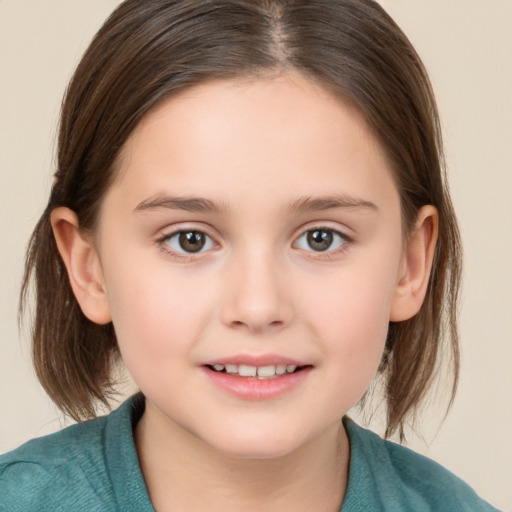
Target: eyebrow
<point x="189" y="204"/>
<point x="305" y="204"/>
<point x="301" y="205"/>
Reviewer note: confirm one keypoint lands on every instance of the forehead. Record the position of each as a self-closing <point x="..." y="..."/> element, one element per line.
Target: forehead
<point x="244" y="138"/>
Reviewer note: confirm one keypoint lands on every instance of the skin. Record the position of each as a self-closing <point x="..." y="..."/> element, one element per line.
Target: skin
<point x="257" y="287"/>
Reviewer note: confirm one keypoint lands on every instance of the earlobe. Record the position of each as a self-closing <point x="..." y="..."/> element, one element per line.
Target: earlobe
<point x="416" y="266"/>
<point x="82" y="264"/>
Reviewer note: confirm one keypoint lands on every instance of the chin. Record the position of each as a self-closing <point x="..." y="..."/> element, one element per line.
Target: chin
<point x="260" y="444"/>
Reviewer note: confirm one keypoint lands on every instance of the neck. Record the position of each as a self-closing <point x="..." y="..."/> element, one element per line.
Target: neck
<point x="183" y="473"/>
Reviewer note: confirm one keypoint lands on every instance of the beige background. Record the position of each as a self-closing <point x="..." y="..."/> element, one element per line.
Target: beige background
<point x="467" y="47"/>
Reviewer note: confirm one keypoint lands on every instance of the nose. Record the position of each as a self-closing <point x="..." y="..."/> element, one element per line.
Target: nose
<point x="256" y="296"/>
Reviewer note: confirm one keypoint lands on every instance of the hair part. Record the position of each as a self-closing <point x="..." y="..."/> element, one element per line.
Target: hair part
<point x="148" y="51"/>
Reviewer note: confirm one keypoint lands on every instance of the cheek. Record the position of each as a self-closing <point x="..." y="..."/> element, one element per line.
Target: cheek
<point x="156" y="316"/>
<point x="351" y="316"/>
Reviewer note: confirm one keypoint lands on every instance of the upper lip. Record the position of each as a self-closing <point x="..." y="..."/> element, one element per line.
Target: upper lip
<point x="256" y="360"/>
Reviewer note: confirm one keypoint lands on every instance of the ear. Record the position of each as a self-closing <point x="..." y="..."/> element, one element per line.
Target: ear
<point x="416" y="265"/>
<point x="82" y="264"/>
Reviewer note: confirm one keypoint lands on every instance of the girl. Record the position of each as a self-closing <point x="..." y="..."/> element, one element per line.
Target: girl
<point x="251" y="314"/>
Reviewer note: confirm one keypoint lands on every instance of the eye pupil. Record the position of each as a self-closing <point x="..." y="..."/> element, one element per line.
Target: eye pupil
<point x="192" y="241"/>
<point x="320" y="239"/>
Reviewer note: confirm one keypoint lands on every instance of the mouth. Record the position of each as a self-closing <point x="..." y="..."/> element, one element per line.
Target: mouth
<point x="256" y="372"/>
<point x="257" y="378"/>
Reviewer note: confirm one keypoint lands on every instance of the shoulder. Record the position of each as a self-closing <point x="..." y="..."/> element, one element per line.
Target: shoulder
<point x="59" y="470"/>
<point x="400" y="479"/>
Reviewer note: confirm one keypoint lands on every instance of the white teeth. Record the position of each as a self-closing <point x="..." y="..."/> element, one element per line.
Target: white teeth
<point x="263" y="372"/>
<point x="281" y="369"/>
<point x="266" y="371"/>
<point x="247" y="371"/>
<point x="232" y="368"/>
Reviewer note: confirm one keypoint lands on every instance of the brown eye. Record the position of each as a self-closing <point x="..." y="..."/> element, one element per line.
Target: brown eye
<point x="189" y="242"/>
<point x="320" y="239"/>
<point x="192" y="241"/>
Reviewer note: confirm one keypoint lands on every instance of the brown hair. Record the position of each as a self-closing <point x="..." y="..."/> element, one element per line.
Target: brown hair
<point x="149" y="50"/>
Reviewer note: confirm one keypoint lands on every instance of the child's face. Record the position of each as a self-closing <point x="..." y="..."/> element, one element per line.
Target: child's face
<point x="257" y="223"/>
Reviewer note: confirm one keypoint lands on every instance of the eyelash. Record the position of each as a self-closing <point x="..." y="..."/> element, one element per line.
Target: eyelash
<point x="163" y="243"/>
<point x="328" y="253"/>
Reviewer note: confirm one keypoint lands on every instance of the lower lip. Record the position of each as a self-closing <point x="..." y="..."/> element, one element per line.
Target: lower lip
<point x="251" y="388"/>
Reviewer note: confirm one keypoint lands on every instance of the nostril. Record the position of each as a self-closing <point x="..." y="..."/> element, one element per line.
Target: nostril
<point x="255" y="326"/>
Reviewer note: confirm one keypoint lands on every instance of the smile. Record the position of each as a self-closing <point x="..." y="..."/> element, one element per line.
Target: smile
<point x="256" y="382"/>
<point x="259" y="372"/>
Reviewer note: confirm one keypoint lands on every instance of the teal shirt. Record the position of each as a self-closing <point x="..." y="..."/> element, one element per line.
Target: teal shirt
<point x="93" y="466"/>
